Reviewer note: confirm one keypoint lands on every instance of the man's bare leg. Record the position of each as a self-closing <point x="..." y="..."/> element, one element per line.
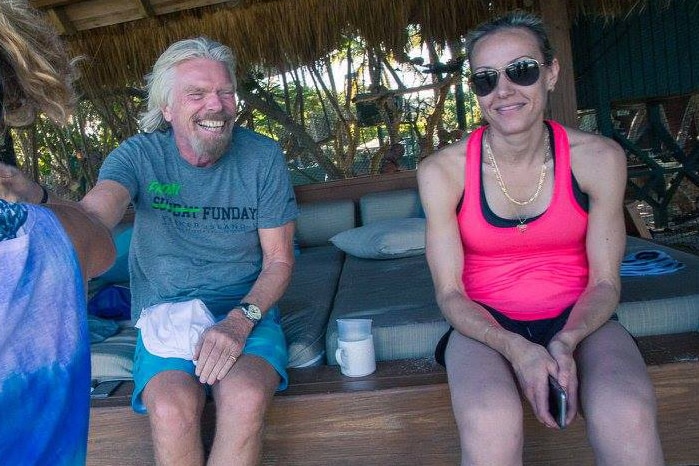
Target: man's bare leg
<point x="175" y="401"/>
<point x="242" y="399"/>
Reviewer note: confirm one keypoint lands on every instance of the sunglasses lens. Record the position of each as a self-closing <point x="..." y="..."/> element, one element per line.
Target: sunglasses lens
<point x="483" y="82"/>
<point x="523" y="72"/>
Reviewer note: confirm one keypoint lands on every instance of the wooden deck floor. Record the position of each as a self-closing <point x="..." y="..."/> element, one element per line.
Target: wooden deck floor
<point x="401" y="414"/>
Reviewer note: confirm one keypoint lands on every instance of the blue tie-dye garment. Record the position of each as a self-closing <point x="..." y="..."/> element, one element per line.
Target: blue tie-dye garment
<point x="44" y="343"/>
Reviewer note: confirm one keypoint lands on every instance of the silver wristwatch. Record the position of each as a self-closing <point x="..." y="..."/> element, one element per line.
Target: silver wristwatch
<point x="251" y="312"/>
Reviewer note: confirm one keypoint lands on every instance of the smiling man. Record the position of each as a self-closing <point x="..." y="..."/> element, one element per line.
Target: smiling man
<point x="191" y="155"/>
<point x="214" y="224"/>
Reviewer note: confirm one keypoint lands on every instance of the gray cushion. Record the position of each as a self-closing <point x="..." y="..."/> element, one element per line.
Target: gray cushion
<point x="398" y="296"/>
<point x="384" y="205"/>
<point x="112" y="359"/>
<point x="305" y="309"/>
<point x="305" y="306"/>
<point x="318" y="221"/>
<point x="660" y="316"/>
<point x="384" y="239"/>
<point x="660" y="304"/>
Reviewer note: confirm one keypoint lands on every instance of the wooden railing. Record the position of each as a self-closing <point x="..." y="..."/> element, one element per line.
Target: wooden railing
<point x="354" y="188"/>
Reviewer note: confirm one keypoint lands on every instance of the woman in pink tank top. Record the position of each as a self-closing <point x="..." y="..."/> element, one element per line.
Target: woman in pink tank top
<point x="525" y="236"/>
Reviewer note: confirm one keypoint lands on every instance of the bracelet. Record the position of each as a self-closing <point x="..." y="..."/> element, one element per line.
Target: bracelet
<point x="487" y="330"/>
<point x="45" y="195"/>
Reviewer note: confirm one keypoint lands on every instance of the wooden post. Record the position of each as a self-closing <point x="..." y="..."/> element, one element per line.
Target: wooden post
<point x="563" y="103"/>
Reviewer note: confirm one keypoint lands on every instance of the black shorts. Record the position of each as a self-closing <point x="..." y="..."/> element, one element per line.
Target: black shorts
<point x="537" y="331"/>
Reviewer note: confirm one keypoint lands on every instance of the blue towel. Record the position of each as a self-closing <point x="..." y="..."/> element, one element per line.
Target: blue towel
<point x="111" y="302"/>
<point x="649" y="262"/>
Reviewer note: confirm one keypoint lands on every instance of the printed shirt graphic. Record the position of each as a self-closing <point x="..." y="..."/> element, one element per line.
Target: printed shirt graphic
<point x="196" y="228"/>
<point x="44" y="346"/>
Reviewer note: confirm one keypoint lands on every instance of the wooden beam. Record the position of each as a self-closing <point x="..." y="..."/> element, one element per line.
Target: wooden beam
<point x="146" y="8"/>
<point x="61" y="20"/>
<point x="46" y="4"/>
<point x="354" y="188"/>
<point x="98" y="13"/>
<point x="635" y="226"/>
<point x="71" y="16"/>
<point x="563" y="104"/>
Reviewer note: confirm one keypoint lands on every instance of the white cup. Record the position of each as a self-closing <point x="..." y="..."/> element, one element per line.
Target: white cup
<point x="355" y="347"/>
<point x="353" y="329"/>
<point x="356" y="358"/>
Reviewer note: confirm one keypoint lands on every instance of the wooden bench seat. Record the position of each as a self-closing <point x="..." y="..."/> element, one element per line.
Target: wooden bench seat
<point x="401" y="414"/>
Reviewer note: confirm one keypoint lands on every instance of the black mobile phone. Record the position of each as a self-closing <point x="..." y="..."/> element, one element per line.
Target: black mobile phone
<point x="557" y="402"/>
<point x="104" y="389"/>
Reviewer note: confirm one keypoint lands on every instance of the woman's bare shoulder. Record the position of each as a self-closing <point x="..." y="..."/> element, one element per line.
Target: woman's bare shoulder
<point x="446" y="162"/>
<point x="584" y="143"/>
<point x="596" y="160"/>
<point x="441" y="176"/>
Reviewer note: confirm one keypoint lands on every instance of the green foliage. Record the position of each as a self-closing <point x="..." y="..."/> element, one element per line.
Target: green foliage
<point x="67" y="158"/>
<point x="312" y="111"/>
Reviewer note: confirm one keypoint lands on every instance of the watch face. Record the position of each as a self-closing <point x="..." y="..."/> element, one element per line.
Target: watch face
<point x="252" y="312"/>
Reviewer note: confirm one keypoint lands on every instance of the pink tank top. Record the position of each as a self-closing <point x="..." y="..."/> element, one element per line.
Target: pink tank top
<point x="530" y="275"/>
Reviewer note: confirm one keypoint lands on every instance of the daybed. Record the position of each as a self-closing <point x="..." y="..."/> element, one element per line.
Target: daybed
<point x="402" y="412"/>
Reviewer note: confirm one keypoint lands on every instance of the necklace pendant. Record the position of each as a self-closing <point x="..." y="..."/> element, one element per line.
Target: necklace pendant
<point x="522" y="227"/>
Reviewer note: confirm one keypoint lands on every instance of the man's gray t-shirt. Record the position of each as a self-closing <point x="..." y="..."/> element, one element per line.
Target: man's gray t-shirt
<point x="195" y="233"/>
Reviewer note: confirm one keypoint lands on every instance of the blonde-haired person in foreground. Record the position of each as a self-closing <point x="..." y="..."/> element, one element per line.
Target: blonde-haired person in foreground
<point x="47" y="253"/>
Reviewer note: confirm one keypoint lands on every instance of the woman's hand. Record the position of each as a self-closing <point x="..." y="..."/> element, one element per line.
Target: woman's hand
<point x="532" y="365"/>
<point x="567" y="375"/>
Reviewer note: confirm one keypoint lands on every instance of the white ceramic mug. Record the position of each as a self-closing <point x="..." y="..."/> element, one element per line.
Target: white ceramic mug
<point x="356" y="358"/>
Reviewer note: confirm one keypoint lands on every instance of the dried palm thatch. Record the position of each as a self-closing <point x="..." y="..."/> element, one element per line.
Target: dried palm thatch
<point x="282" y="34"/>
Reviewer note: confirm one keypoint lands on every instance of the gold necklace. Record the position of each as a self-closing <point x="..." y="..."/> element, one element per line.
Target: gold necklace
<point x="501" y="182"/>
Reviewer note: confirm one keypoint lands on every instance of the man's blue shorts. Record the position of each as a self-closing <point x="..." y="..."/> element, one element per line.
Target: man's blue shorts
<point x="266" y="341"/>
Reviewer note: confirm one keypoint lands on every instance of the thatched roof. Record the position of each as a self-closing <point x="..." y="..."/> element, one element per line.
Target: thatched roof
<point x="122" y="38"/>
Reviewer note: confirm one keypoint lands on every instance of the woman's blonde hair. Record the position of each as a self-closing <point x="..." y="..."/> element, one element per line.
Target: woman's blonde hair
<point x="36" y="73"/>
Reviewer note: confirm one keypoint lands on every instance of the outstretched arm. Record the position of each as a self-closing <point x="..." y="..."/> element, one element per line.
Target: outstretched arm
<point x="91" y="240"/>
<point x="87" y="223"/>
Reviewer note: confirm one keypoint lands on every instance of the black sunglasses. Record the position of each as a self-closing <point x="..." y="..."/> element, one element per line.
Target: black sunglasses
<point x="523" y="72"/>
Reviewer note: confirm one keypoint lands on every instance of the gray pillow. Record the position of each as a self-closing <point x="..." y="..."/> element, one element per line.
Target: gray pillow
<point x="318" y="221"/>
<point x="385" y="239"/>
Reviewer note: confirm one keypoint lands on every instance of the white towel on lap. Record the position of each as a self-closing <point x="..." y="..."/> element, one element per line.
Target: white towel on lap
<point x="172" y="330"/>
